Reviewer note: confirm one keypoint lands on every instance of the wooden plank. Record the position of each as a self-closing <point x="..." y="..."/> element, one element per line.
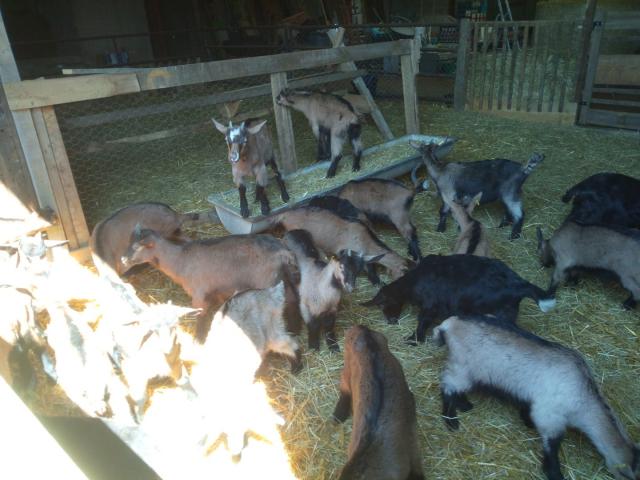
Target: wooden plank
<point x="409" y="94"/>
<point x="213" y="99"/>
<point x="494" y="66"/>
<point x="583" y="50"/>
<point x="503" y="65"/>
<point x="523" y="66"/>
<point x="616" y="102"/>
<point x="624" y="91"/>
<point x="288" y="160"/>
<point x="62" y="208"/>
<point x="592" y="68"/>
<point x="473" y="71"/>
<point x="483" y="62"/>
<point x="532" y="74"/>
<point x="564" y="73"/>
<point x="376" y="114"/>
<point x="618" y="69"/>
<point x="66" y="177"/>
<point x="39" y="93"/>
<point x="543" y="72"/>
<point x="559" y="35"/>
<point x="512" y="73"/>
<point x="612" y="119"/>
<point x="459" y="89"/>
<point x="629" y="21"/>
<point x="100" y="71"/>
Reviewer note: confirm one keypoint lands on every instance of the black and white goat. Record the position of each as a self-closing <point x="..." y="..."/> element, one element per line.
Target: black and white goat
<point x="250" y="151"/>
<point x="606" y="199"/>
<point x="332" y="120"/>
<point x="551" y="384"/>
<point x="573" y="247"/>
<point x="498" y="180"/>
<point x="322" y="284"/>
<point x="441" y="286"/>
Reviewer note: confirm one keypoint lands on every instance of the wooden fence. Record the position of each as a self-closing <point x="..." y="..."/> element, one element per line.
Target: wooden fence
<point x="525" y="66"/>
<point x="32" y="101"/>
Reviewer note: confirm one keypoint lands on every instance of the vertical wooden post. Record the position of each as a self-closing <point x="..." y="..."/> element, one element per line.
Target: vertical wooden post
<point x="286" y="140"/>
<point x="581" y="67"/>
<point x="410" y="94"/>
<point x="594" y="53"/>
<point x="460" y="86"/>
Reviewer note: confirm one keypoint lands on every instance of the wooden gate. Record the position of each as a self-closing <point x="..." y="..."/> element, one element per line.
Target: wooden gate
<point x="611" y="95"/>
<point x="527" y="66"/>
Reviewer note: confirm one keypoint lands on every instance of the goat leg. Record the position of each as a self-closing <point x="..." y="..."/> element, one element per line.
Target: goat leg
<point x="244" y="206"/>
<point x="372" y="274"/>
<point x="283" y="188"/>
<point x="343" y="407"/>
<point x="442" y="223"/>
<point x="264" y="201"/>
<point x="334" y="166"/>
<point x="329" y="324"/>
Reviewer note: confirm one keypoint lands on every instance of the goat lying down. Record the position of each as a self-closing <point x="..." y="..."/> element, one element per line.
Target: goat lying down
<point x="607" y="199"/>
<point x="332" y="120"/>
<point x="551" y="384"/>
<point x="498" y="180"/>
<point x="250" y="151"/>
<point x="441" y="286"/>
<point x="573" y="247"/>
<point x="322" y="284"/>
<point x="384" y="441"/>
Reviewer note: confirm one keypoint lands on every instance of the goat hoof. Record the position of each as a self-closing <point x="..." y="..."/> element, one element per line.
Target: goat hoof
<point x="464" y="405"/>
<point x="441" y="228"/>
<point x="629" y="304"/>
<point x="514" y="236"/>
<point x="411" y="340"/>
<point x="285" y="197"/>
<point x="331" y="174"/>
<point x="355" y="168"/>
<point x="452" y="424"/>
<point x="392" y="321"/>
<point x="265" y="210"/>
<point x="334" y="347"/>
<point x="244" y="212"/>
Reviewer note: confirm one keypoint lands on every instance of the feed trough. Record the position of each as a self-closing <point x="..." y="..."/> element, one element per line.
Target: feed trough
<point x="387" y="160"/>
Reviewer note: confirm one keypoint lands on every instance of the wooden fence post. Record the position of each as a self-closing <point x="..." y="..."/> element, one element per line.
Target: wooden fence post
<point x="460" y="86"/>
<point x="410" y="94"/>
<point x="592" y="66"/>
<point x="286" y="140"/>
<point x="587" y="28"/>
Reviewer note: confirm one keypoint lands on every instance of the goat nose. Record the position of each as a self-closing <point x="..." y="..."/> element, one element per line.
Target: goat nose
<point x="124" y="260"/>
<point x="234" y="156"/>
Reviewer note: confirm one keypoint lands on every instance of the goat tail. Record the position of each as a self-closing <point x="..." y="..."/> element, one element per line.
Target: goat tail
<point x="418" y="186"/>
<point x="545" y="299"/>
<point x="535" y="160"/>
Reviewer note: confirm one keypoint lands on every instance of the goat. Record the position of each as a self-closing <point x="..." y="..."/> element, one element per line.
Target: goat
<point x="384" y="441"/>
<point x="606" y="199"/>
<point x="250" y="151"/>
<point x="497" y="179"/>
<point x="332" y="121"/>
<point x="247" y="327"/>
<point x="212" y="270"/>
<point x="332" y="234"/>
<point x="551" y="384"/>
<point x="473" y="238"/>
<point x="111" y="237"/>
<point x="385" y="201"/>
<point x="441" y="286"/>
<point x="574" y="246"/>
<point x="340" y="206"/>
<point x="322" y="284"/>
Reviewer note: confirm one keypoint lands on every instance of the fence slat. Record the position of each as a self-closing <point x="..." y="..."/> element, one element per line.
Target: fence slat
<point x="503" y="65"/>
<point x="543" y="73"/>
<point x="483" y="64"/>
<point x="286" y="139"/>
<point x="472" y="80"/>
<point x="532" y="74"/>
<point x="494" y="66"/>
<point x="523" y="66"/>
<point x="514" y="61"/>
<point x="564" y="72"/>
<point x="459" y="92"/>
<point x="559" y="42"/>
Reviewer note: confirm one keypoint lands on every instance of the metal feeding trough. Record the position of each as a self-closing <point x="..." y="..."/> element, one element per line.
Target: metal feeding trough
<point x="236" y="224"/>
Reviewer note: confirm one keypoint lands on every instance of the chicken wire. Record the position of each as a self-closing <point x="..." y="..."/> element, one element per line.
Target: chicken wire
<point x="161" y="145"/>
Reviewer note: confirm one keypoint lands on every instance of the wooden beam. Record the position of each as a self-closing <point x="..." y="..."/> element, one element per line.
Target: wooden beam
<point x="583" y="51"/>
<point x="607" y="118"/>
<point x="288" y="162"/>
<point x="336" y="36"/>
<point x="592" y="68"/>
<point x="410" y="95"/>
<point x="460" y="86"/>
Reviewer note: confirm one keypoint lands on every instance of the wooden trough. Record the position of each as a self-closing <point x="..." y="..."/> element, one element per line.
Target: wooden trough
<point x="234" y="223"/>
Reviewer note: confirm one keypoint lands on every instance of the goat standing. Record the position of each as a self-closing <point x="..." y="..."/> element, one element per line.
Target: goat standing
<point x="250" y="150"/>
<point x="473" y="238"/>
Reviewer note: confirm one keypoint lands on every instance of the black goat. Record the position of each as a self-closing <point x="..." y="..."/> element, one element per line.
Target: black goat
<point x="441" y="286"/>
<point x="498" y="180"/>
<point x="606" y="199"/>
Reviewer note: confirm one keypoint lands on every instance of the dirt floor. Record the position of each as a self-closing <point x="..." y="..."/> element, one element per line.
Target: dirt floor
<point x="492" y="442"/>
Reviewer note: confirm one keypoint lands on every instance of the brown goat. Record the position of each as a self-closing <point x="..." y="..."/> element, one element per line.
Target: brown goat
<point x="111" y="237"/>
<point x="250" y="151"/>
<point x="332" y="234"/>
<point x="384" y="439"/>
<point x="473" y="239"/>
<point x="213" y="270"/>
<point x="386" y="201"/>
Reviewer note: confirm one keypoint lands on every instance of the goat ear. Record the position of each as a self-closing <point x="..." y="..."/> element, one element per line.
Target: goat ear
<point x="221" y="128"/>
<point x="370" y="259"/>
<point x="256" y="128"/>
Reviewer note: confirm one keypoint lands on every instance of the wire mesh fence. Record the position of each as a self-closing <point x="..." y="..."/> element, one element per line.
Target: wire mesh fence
<point x="162" y="146"/>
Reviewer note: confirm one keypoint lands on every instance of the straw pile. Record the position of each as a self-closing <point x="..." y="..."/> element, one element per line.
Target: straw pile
<point x="492" y="442"/>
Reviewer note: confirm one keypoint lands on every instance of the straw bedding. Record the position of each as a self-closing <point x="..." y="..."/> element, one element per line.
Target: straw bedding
<point x="492" y="441"/>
